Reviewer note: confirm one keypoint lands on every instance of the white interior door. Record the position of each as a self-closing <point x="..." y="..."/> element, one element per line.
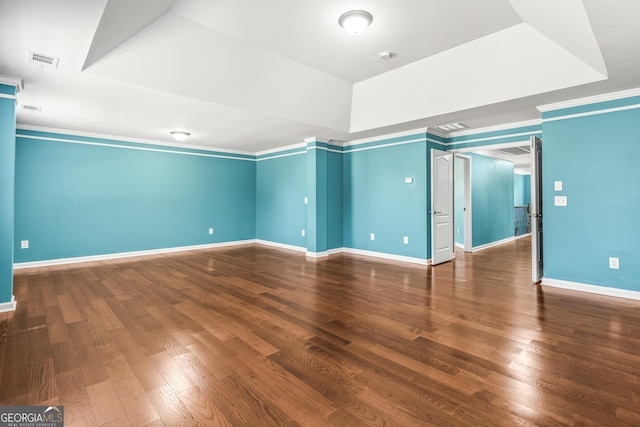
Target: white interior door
<point x="537" y="264"/>
<point x="442" y="240"/>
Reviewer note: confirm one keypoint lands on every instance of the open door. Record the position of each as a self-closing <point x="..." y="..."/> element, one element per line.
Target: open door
<point x="442" y="240"/>
<point x="536" y="209"/>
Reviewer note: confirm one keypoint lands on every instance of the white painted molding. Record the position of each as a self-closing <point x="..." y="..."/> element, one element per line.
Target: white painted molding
<point x="391" y="144"/>
<point x="592" y="289"/>
<point x="590" y="100"/>
<point x="592" y="113"/>
<point x="120" y="138"/>
<point x="387" y="256"/>
<point x="490" y="138"/>
<point x="91" y="258"/>
<point x="521" y="236"/>
<point x="12" y="81"/>
<point x="387" y="136"/>
<point x="492" y="244"/>
<point x="281" y="245"/>
<point x="285" y="148"/>
<point x="6" y="96"/>
<point x="495" y="128"/>
<point x="127" y="147"/>
<point x="316" y="255"/>
<point x="490" y="146"/>
<point x="316" y="139"/>
<point x="8" y="306"/>
<point x="279" y="156"/>
<point x="459" y="245"/>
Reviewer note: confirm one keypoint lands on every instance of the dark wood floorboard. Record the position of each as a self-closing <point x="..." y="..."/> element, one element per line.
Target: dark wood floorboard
<point x="257" y="336"/>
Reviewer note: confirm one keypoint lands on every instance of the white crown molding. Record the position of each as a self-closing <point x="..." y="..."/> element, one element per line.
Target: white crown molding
<point x="120" y="138"/>
<point x="613" y="96"/>
<point x="435" y="131"/>
<point x="495" y="128"/>
<point x="387" y="136"/>
<point x="279" y="149"/>
<point x="592" y="289"/>
<point x="12" y="81"/>
<point x="8" y="306"/>
<point x="316" y="139"/>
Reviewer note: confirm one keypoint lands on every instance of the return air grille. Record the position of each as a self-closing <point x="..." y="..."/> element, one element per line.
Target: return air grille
<point x="33" y="108"/>
<point x="44" y="60"/>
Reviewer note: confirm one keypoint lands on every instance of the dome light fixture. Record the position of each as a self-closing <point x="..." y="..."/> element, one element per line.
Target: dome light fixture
<point x="179" y="135"/>
<point x="355" y="21"/>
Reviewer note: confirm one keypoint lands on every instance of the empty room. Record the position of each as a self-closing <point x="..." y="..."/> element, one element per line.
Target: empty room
<point x="297" y="213"/>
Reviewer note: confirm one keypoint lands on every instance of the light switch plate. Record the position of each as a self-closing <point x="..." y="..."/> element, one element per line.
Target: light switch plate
<point x="557" y="185"/>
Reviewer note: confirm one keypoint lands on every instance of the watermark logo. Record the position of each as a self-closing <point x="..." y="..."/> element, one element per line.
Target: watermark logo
<point x="31" y="416"/>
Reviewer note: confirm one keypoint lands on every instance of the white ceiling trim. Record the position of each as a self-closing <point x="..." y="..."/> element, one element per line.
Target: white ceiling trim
<point x="613" y="96"/>
<point x="497" y="128"/>
<point x="120" y="138"/>
<point x="12" y="81"/>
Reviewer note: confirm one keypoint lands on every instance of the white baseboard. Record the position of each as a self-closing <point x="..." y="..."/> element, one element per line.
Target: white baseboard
<point x="61" y="261"/>
<point x="281" y="245"/>
<point x="593" y="289"/>
<point x="8" y="306"/>
<point x="460" y="245"/>
<point x="387" y="256"/>
<point x="520" y="236"/>
<point x="317" y="254"/>
<point x="492" y="244"/>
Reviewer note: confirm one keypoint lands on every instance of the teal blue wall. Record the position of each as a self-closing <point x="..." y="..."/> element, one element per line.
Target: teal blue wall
<point x="459" y="200"/>
<point x="281" y="186"/>
<point x="377" y="199"/>
<point x="7" y="190"/>
<point x="491" y="199"/>
<point x="603" y="193"/>
<point x="521" y="190"/>
<point x="78" y="200"/>
<point x="335" y="223"/>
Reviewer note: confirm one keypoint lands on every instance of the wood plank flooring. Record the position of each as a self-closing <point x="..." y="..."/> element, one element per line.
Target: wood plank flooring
<point x="257" y="336"/>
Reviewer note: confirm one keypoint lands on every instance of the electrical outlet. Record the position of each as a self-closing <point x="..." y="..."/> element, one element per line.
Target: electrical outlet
<point x="211" y="231"/>
<point x="373" y="236"/>
<point x="302" y="233"/>
<point x="614" y="263"/>
<point x="24" y="244"/>
<point x="406" y="240"/>
<point x="306" y="200"/>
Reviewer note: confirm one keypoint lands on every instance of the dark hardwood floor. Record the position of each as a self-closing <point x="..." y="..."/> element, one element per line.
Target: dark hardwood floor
<point x="259" y="336"/>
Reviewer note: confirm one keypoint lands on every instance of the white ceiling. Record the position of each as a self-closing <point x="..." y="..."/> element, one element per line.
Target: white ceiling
<point x="252" y="75"/>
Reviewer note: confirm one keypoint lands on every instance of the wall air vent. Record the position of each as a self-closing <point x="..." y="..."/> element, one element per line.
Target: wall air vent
<point x="33" y="108"/>
<point x="44" y="60"/>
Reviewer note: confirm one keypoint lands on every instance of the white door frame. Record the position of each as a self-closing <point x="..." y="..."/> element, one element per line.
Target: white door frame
<point x="468" y="232"/>
<point x="537" y="248"/>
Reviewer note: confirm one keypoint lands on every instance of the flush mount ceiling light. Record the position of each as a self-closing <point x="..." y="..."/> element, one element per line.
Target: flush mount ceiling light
<point x="355" y="21"/>
<point x="179" y="135"/>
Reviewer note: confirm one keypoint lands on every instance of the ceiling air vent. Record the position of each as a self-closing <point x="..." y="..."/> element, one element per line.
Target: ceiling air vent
<point x="451" y="126"/>
<point x="44" y="60"/>
<point x="33" y="108"/>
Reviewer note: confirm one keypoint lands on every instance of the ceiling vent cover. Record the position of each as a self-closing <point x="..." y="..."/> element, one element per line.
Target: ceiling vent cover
<point x="44" y="60"/>
<point x="33" y="108"/>
<point x="452" y="126"/>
